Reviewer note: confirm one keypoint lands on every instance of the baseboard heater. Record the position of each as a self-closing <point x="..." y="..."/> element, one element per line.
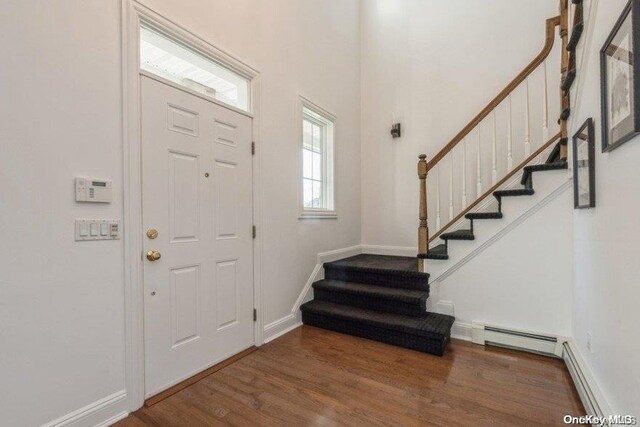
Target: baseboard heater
<point x="587" y="396"/>
<point x="516" y="340"/>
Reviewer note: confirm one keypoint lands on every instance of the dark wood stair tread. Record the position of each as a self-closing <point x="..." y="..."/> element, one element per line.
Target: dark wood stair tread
<point x="432" y="325"/>
<point x="381" y="270"/>
<point x="458" y="235"/>
<point x="437" y="252"/>
<point x="511" y="193"/>
<point x="484" y="215"/>
<point x="528" y="170"/>
<point x="405" y="265"/>
<point x="397" y="294"/>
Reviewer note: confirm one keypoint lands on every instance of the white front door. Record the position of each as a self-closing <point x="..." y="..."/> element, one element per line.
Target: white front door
<point x="197" y="195"/>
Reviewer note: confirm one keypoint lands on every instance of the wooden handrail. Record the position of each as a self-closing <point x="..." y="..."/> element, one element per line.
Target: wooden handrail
<point x="548" y="45"/>
<point x="495" y="187"/>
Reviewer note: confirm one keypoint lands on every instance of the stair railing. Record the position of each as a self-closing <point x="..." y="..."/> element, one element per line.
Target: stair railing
<point x="427" y="169"/>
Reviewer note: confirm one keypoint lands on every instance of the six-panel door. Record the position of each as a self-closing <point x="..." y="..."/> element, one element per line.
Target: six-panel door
<point x="197" y="194"/>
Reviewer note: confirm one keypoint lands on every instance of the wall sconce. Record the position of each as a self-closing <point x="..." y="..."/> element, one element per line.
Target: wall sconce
<point x="395" y="130"/>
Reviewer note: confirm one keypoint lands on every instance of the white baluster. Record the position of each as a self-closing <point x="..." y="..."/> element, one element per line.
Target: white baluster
<point x="451" y="187"/>
<point x="479" y="168"/>
<point x="438" y="198"/>
<point x="494" y="160"/>
<point x="545" y="107"/>
<point x="464" y="173"/>
<point x="527" y="133"/>
<point x="570" y="17"/>
<point x="545" y="111"/>
<point x="509" y="139"/>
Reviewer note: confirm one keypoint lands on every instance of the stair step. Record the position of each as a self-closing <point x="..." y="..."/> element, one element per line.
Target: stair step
<point x="484" y="215"/>
<point x="379" y="298"/>
<point x="528" y="170"/>
<point x="438" y="252"/>
<point x="429" y="333"/>
<point x="381" y="270"/>
<point x="511" y="193"/>
<point x="458" y="235"/>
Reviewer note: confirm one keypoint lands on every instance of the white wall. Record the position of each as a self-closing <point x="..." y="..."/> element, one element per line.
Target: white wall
<point x="523" y="280"/>
<point x="434" y="65"/>
<point x="62" y="302"/>
<point x="309" y="47"/>
<point x="607" y="238"/>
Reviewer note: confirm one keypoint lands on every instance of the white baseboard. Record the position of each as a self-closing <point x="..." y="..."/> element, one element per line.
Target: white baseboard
<point x="337" y="254"/>
<point x="461" y="331"/>
<point x="590" y="392"/>
<point x="280" y="327"/>
<point x="517" y="339"/>
<point x="390" y="250"/>
<point x="103" y="412"/>
<point x="318" y="273"/>
<point x="114" y="419"/>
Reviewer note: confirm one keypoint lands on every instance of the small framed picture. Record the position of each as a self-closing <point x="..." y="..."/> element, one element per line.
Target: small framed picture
<point x="584" y="167"/>
<point x="620" y="80"/>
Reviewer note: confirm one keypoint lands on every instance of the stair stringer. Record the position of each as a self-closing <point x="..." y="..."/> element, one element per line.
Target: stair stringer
<point x="521" y="280"/>
<point x="548" y="185"/>
<point x="490" y="203"/>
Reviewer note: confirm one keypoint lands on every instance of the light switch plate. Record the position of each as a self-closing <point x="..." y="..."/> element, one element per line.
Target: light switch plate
<point x="97" y="229"/>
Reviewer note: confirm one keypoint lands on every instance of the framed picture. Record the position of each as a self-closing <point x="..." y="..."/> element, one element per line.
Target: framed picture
<point x="620" y="80"/>
<point x="584" y="166"/>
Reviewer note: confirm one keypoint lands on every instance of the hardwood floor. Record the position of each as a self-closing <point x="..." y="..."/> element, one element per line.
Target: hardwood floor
<point x="312" y="376"/>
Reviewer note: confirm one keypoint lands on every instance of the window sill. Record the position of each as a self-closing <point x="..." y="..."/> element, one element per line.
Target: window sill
<point x="318" y="215"/>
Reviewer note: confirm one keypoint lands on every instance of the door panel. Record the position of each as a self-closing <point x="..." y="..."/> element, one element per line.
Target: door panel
<point x="184" y="304"/>
<point x="184" y="197"/>
<point x="227" y="301"/>
<point x="196" y="181"/>
<point x="226" y="203"/>
<point x="182" y="120"/>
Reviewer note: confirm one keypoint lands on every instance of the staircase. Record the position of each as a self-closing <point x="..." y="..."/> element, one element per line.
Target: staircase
<point x="383" y="298"/>
<point x="441" y="251"/>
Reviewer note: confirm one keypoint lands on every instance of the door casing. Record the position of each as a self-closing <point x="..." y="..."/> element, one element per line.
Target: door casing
<point x="133" y="14"/>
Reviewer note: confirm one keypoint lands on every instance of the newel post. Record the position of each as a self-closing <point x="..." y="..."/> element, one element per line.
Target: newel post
<point x="423" y="230"/>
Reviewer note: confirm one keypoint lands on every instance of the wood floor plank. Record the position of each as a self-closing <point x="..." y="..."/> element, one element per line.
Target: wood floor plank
<point x="315" y="377"/>
<point x="194" y="379"/>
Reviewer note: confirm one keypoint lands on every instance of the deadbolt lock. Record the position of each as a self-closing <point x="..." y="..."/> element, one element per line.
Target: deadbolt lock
<point x="153" y="255"/>
<point x="152" y="233"/>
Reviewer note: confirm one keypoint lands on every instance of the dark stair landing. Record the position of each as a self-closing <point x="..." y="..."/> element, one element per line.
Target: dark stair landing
<point x="441" y="252"/>
<point x="379" y="297"/>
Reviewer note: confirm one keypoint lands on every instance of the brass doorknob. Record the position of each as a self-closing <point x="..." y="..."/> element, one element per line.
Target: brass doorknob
<point x="153" y="255"/>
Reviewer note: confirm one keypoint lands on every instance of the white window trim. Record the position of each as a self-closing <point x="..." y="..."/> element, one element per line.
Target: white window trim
<point x="330" y="159"/>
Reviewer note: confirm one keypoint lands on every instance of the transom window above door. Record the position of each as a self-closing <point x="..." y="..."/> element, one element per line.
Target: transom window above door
<point x="167" y="58"/>
<point x="317" y="181"/>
